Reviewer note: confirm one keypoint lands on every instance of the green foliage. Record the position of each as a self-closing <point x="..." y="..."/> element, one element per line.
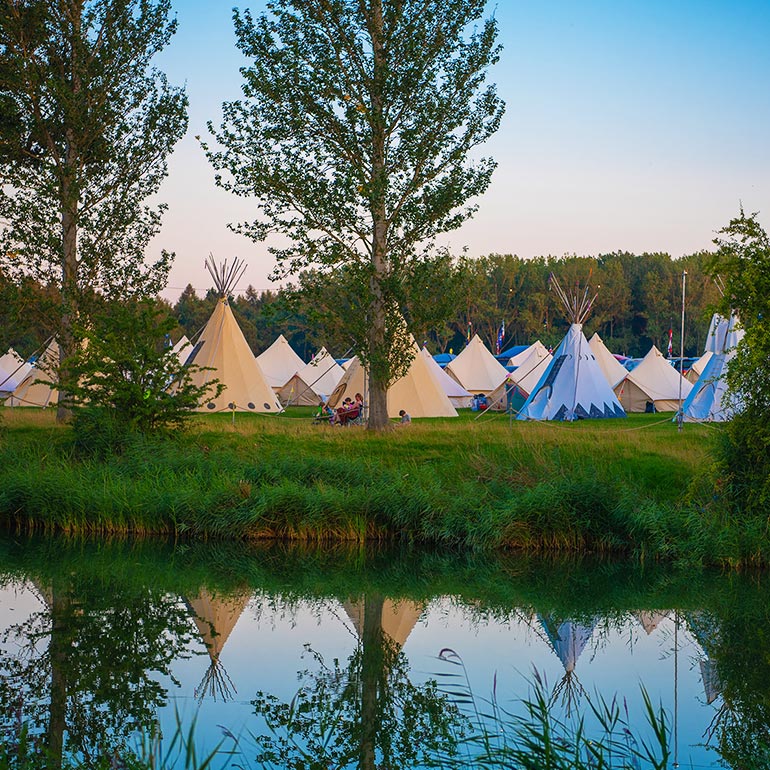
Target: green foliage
<point x="126" y="379"/>
<point x="87" y="125"/>
<point x="354" y="132"/>
<point x="743" y="262"/>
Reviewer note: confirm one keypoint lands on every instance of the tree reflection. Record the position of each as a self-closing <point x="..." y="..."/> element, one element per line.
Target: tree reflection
<point x="81" y="675"/>
<point x="366" y="714"/>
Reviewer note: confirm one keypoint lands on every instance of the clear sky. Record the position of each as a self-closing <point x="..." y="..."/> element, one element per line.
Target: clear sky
<point x="630" y="125"/>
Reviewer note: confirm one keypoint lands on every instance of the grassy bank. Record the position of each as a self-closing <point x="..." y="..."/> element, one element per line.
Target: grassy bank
<point x="630" y="486"/>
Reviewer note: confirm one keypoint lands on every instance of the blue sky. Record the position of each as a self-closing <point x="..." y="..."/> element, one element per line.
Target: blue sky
<point x="630" y="125"/>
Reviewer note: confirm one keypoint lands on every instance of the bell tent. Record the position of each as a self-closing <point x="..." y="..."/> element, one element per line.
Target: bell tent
<point x="476" y="369"/>
<point x="13" y="369"/>
<point x="653" y="381"/>
<point x="314" y="382"/>
<point x="614" y="372"/>
<point x="279" y="363"/>
<point x="38" y="388"/>
<point x="223" y="351"/>
<point x="572" y="386"/>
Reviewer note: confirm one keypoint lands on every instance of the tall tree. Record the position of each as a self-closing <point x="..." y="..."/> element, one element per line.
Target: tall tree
<point x="353" y="135"/>
<point x="86" y="125"/>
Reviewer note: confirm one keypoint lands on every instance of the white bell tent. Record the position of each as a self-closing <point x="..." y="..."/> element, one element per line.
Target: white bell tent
<point x="314" y="382"/>
<point x="572" y="386"/>
<point x="614" y="372"/>
<point x="13" y="369"/>
<point x="38" y="387"/>
<point x="476" y="369"/>
<point x="279" y="363"/>
<point x="653" y="381"/>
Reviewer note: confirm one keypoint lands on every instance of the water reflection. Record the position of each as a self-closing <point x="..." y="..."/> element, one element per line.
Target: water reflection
<point x="333" y="659"/>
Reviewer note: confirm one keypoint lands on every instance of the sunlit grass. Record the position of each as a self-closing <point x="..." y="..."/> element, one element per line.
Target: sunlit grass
<point x="477" y="481"/>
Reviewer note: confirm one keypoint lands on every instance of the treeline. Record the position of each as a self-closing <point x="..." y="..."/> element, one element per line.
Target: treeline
<point x="639" y="300"/>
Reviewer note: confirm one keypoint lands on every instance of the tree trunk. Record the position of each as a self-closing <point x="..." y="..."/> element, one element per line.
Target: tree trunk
<point x="70" y="201"/>
<point x="372" y="680"/>
<point x="59" y="651"/>
<point x="379" y="362"/>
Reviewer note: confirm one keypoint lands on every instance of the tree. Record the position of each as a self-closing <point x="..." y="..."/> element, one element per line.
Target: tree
<point x="353" y="135"/>
<point x="743" y="263"/>
<point x="86" y="127"/>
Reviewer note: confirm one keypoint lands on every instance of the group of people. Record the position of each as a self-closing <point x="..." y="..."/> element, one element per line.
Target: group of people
<point x="350" y="410"/>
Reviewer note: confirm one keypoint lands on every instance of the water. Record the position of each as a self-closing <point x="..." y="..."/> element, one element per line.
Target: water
<point x="368" y="659"/>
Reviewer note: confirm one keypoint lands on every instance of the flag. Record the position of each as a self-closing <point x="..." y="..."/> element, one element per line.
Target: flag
<point x="670" y="342"/>
<point x="500" y="338"/>
<point x="469" y="333"/>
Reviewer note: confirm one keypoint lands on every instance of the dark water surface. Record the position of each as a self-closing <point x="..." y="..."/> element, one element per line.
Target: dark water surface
<point x="349" y="658"/>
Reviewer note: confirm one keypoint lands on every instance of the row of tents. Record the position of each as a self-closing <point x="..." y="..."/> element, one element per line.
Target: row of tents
<point x="580" y="379"/>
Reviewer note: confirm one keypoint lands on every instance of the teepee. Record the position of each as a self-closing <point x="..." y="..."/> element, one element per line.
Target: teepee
<point x="516" y="387"/>
<point x="653" y="381"/>
<point x="13" y="369"/>
<point x="572" y="386"/>
<point x="476" y="369"/>
<point x="417" y="392"/>
<point x="215" y="618"/>
<point x="458" y="396"/>
<point x="313" y="382"/>
<point x="223" y="351"/>
<point x="567" y="639"/>
<point x="279" y="363"/>
<point x="707" y="401"/>
<point x="38" y="388"/>
<point x="182" y="350"/>
<point x="614" y="372"/>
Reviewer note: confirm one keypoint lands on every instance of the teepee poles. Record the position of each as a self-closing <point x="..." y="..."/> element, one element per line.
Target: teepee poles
<point x="225" y="278"/>
<point x="578" y="307"/>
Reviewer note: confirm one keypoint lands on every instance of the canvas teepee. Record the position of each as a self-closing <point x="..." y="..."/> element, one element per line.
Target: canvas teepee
<point x="614" y="372"/>
<point x="417" y="392"/>
<point x="476" y="369"/>
<point x="215" y="618"/>
<point x="30" y="392"/>
<point x="312" y="383"/>
<point x="707" y="401"/>
<point x="516" y="387"/>
<point x="182" y="350"/>
<point x="572" y="386"/>
<point x="458" y="396"/>
<point x="279" y="363"/>
<point x="653" y="381"/>
<point x="223" y="350"/>
<point x="397" y="618"/>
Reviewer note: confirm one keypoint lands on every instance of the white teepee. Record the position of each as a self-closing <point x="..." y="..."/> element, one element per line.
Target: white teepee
<point x="314" y="382"/>
<point x="223" y="351"/>
<point x="279" y="363"/>
<point x="614" y="372"/>
<point x="653" y="381"/>
<point x="695" y="371"/>
<point x="38" y="388"/>
<point x="572" y="386"/>
<point x="476" y="369"/>
<point x="707" y="401"/>
<point x="459" y="397"/>
<point x="417" y="392"/>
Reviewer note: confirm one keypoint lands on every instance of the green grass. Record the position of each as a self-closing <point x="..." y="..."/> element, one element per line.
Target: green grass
<point x="634" y="486"/>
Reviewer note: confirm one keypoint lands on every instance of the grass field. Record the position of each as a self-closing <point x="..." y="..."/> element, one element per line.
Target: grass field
<point x="635" y="485"/>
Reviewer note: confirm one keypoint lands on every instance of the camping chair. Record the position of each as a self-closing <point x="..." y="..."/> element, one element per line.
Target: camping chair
<point x="359" y="419"/>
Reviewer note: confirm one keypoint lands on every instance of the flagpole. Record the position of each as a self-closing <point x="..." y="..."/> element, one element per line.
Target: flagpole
<point x="680" y="413"/>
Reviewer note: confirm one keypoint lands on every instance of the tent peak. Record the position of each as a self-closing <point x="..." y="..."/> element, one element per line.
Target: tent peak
<point x="225" y="276"/>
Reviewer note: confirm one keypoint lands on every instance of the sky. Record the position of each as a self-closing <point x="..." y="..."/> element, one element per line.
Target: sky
<point x="630" y="125"/>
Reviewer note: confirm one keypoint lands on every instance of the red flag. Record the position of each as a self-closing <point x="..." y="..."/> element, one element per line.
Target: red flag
<point x="670" y="342"/>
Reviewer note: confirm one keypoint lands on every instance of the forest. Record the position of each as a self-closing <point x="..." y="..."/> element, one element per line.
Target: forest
<point x="638" y="300"/>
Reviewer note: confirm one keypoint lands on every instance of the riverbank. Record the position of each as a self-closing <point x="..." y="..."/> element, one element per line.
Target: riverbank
<point x="633" y="486"/>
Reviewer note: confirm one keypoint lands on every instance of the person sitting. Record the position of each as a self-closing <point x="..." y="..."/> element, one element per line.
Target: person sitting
<point x="405" y="418"/>
<point x="323" y="413"/>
